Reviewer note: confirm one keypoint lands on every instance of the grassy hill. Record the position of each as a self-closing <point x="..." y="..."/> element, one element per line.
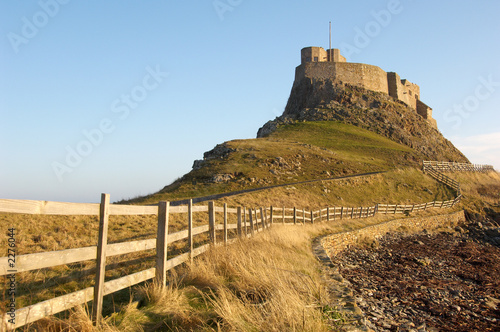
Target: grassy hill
<point x="295" y="152"/>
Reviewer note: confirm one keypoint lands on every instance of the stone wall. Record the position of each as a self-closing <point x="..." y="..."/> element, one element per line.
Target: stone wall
<point x="335" y="243"/>
<point x="366" y="76"/>
<point x="403" y="90"/>
<point x="313" y="54"/>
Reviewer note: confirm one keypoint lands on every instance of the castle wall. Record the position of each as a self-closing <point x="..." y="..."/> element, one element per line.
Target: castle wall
<point x="426" y="112"/>
<point x="367" y="76"/>
<point x="403" y="90"/>
<point x="316" y="63"/>
<point x="335" y="55"/>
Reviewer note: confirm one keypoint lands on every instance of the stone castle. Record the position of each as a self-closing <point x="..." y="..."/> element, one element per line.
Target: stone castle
<point x="318" y="63"/>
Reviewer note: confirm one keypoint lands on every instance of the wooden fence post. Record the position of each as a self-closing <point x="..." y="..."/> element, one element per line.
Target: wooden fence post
<point x="211" y="222"/>
<point x="303" y="216"/>
<point x="190" y="230"/>
<point x="283" y="215"/>
<point x="250" y="214"/>
<point x="312" y="217"/>
<point x="341" y="212"/>
<point x="238" y="225"/>
<point x="294" y="215"/>
<point x="271" y="215"/>
<point x="225" y="223"/>
<point x="102" y="243"/>
<point x="162" y="243"/>
<point x="320" y="213"/>
<point x="327" y="213"/>
<point x="262" y="219"/>
<point x="245" y="221"/>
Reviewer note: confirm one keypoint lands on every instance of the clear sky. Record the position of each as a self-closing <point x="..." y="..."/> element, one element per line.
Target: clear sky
<point x="121" y="96"/>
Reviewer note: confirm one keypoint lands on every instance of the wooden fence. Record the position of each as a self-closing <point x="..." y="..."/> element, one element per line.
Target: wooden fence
<point x="445" y="166"/>
<point x="249" y="222"/>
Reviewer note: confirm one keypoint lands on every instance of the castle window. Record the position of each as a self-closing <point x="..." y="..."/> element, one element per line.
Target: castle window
<point x="315" y="59"/>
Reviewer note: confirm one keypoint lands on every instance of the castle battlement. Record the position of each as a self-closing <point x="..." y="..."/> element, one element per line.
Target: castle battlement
<point x="318" y="63"/>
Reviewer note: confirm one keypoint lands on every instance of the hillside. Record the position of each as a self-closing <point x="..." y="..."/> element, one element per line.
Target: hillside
<point x="293" y="153"/>
<point x="316" y="143"/>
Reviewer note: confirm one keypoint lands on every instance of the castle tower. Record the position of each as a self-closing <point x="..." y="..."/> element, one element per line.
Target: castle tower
<point x="318" y="54"/>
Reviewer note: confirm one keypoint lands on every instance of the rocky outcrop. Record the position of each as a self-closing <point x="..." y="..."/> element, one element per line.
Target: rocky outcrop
<point x="325" y="100"/>
<point x="220" y="151"/>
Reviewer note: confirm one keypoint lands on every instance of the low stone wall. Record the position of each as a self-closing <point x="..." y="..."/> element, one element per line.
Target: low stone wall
<point x="335" y="243"/>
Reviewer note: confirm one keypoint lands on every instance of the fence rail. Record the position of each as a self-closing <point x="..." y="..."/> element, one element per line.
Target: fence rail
<point x="446" y="166"/>
<point x="249" y="222"/>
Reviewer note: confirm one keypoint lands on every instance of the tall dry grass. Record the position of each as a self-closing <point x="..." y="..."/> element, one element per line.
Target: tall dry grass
<point x="271" y="282"/>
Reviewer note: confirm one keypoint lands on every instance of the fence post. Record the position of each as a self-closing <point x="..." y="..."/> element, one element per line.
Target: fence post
<point x="320" y="213"/>
<point x="312" y="217"/>
<point x="245" y="221"/>
<point x="190" y="230"/>
<point x="341" y="212"/>
<point x="327" y="213"/>
<point x="250" y="214"/>
<point x="352" y="213"/>
<point x="294" y="215"/>
<point x="271" y="215"/>
<point x="303" y="216"/>
<point x="283" y="215"/>
<point x="162" y="243"/>
<point x="225" y="223"/>
<point x="102" y="243"/>
<point x="211" y="222"/>
<point x="238" y="225"/>
<point x="262" y="219"/>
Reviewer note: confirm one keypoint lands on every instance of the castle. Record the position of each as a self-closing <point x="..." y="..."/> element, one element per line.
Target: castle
<point x="318" y="63"/>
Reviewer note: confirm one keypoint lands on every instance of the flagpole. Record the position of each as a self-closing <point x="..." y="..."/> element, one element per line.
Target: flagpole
<point x="330" y="48"/>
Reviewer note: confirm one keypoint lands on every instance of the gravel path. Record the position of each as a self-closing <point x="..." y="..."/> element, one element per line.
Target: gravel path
<point x="448" y="281"/>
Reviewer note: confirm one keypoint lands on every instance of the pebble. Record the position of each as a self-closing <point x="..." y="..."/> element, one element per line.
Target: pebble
<point x="421" y="285"/>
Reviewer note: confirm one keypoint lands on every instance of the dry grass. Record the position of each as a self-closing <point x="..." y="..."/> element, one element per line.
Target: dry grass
<point x="268" y="283"/>
<point x="225" y="289"/>
<point x="400" y="186"/>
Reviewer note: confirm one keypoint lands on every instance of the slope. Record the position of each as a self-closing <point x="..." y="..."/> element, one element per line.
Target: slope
<point x="295" y="152"/>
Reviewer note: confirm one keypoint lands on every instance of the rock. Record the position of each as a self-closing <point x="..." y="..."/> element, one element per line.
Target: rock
<point x="197" y="164"/>
<point x="218" y="178"/>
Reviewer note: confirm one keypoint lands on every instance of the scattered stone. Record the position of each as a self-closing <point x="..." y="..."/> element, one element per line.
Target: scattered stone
<point x="441" y="282"/>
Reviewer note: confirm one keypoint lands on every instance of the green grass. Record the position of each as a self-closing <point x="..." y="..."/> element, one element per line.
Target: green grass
<point x="311" y="150"/>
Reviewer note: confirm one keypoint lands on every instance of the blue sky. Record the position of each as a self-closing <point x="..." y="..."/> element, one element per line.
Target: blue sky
<point x="121" y="96"/>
